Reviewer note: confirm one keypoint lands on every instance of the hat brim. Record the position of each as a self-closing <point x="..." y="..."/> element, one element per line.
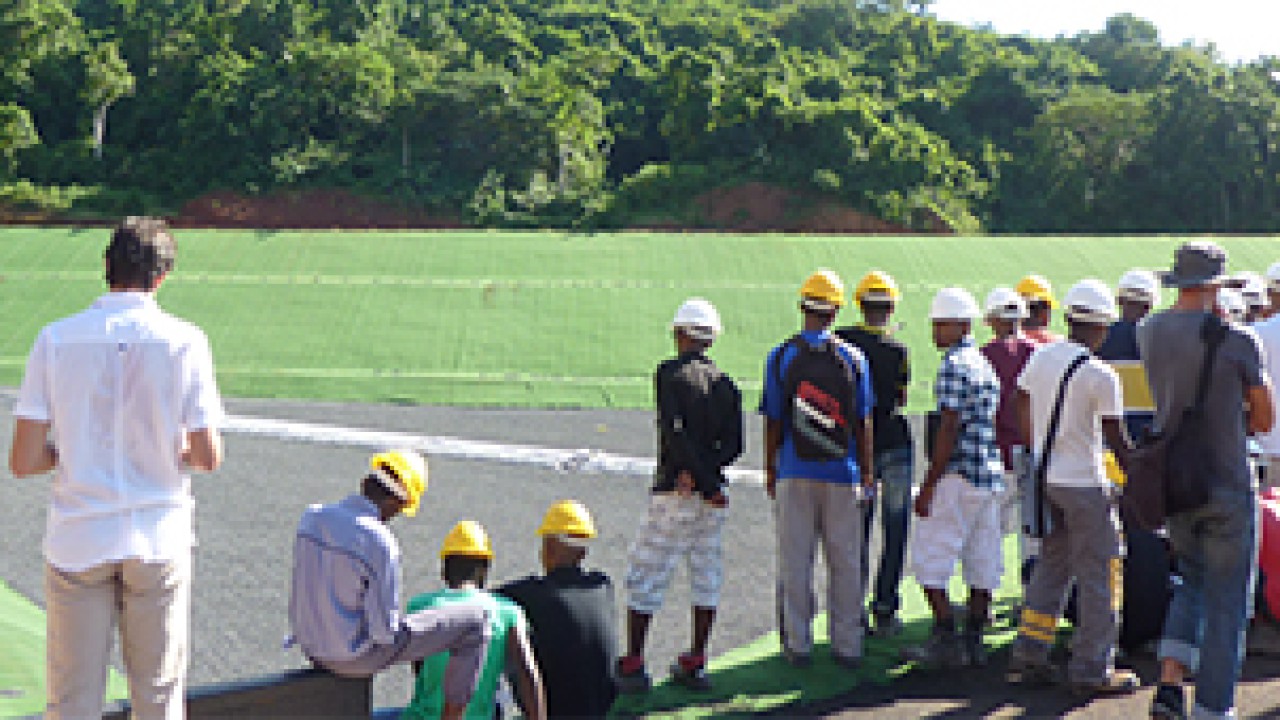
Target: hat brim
<point x="1171" y="279"/>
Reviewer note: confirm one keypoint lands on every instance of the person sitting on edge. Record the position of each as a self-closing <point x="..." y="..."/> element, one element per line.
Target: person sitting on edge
<point x="344" y="603"/>
<point x="465" y="557"/>
<point x="571" y="617"/>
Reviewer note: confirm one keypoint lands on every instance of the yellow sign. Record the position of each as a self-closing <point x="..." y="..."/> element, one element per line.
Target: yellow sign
<point x="1133" y="384"/>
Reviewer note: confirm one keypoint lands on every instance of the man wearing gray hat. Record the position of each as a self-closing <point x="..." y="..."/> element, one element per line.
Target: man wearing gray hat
<point x="1215" y="545"/>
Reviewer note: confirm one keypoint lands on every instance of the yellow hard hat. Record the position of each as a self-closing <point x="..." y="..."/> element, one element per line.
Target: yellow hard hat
<point x="467" y="539"/>
<point x="877" y="285"/>
<point x="1036" y="287"/>
<point x="404" y="473"/>
<point x="823" y="291"/>
<point x="1114" y="473"/>
<point x="568" y="517"/>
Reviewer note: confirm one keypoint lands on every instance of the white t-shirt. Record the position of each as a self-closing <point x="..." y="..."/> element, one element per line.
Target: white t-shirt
<point x="1092" y="394"/>
<point x="1268" y="332"/>
<point x="120" y="385"/>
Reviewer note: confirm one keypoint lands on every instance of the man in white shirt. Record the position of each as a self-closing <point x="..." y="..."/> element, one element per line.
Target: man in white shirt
<point x="120" y="402"/>
<point x="1268" y="332"/>
<point x="1083" y="541"/>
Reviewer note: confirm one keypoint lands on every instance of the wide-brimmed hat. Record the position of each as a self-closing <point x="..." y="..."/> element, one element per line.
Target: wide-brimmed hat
<point x="1196" y="263"/>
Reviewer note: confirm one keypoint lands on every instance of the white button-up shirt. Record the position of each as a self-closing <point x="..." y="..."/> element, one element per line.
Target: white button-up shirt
<point x="120" y="385"/>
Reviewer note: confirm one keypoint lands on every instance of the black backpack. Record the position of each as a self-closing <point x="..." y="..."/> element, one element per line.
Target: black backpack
<point x="817" y="391"/>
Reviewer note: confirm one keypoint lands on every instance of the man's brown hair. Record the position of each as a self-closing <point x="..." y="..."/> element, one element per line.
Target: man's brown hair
<point x="141" y="251"/>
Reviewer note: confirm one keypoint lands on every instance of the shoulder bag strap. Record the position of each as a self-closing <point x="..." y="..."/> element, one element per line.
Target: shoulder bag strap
<point x="1214" y="332"/>
<point x="1042" y="464"/>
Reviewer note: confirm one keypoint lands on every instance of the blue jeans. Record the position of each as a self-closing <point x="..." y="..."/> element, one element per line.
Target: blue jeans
<point x="895" y="470"/>
<point x="1215" y="548"/>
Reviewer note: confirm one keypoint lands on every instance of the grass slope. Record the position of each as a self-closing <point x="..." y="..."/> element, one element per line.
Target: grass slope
<point x="22" y="660"/>
<point x="552" y="319"/>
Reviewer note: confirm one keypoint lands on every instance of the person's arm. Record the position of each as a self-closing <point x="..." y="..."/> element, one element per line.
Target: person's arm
<point x="1023" y="409"/>
<point x="1261" y="414"/>
<point x="943" y="445"/>
<point x="772" y="441"/>
<point x="528" y="680"/>
<point x="203" y="451"/>
<point x="864" y="436"/>
<point x="382" y="599"/>
<point x="31" y="452"/>
<point x="1117" y="439"/>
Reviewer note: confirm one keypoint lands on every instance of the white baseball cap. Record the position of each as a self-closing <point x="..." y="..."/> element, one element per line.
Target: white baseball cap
<point x="1004" y="303"/>
<point x="1090" y="301"/>
<point x="953" y="304"/>
<point x="1139" y="285"/>
<point x="1252" y="287"/>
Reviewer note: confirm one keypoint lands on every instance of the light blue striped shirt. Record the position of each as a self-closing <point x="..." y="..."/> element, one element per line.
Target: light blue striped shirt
<point x="345" y="597"/>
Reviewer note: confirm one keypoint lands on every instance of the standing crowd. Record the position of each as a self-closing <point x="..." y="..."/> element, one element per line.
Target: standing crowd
<point x="1029" y="435"/>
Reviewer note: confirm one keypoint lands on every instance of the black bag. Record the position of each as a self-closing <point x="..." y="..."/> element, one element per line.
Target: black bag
<point x="1169" y="471"/>
<point x="818" y="390"/>
<point x="1037" y="520"/>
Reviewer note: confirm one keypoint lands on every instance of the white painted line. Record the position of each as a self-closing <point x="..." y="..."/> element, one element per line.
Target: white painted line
<point x="587" y="461"/>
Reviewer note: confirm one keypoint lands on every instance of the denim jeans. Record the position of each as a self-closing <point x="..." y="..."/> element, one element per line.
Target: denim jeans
<point x="895" y="470"/>
<point x="1215" y="548"/>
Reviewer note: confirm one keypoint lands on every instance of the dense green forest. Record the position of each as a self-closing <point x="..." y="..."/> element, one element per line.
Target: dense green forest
<point x="603" y="113"/>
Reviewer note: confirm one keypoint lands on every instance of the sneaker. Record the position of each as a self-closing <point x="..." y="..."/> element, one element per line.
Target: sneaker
<point x="797" y="659"/>
<point x="974" y="648"/>
<point x="885" y="626"/>
<point x="1169" y="703"/>
<point x="943" y="649"/>
<point x="1033" y="674"/>
<point x="632" y="678"/>
<point x="690" y="671"/>
<point x="1117" y="682"/>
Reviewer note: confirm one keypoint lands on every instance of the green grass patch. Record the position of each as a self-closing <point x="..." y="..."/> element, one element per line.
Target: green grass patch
<point x="22" y="661"/>
<point x="754" y="678"/>
<point x="521" y="319"/>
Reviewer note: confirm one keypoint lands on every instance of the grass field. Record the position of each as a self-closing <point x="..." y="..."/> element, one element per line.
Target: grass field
<point x="518" y="319"/>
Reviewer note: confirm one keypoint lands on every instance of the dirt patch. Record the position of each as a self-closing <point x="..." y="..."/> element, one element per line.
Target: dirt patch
<point x="759" y="207"/>
<point x="750" y="207"/>
<point x="305" y="210"/>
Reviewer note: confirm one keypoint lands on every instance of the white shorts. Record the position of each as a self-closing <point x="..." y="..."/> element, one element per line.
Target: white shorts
<point x="963" y="524"/>
<point x="676" y="527"/>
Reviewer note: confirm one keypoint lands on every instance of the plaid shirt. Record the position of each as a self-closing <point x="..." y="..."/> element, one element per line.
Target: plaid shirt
<point x="968" y="385"/>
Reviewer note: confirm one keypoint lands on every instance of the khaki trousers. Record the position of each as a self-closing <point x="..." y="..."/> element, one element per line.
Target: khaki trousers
<point x="150" y="602"/>
<point x="809" y="512"/>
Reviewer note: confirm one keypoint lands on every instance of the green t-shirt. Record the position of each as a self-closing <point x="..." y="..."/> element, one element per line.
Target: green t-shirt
<point x="428" y="695"/>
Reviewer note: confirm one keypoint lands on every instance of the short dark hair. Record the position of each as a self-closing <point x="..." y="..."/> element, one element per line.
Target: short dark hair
<point x="459" y="569"/>
<point x="141" y="251"/>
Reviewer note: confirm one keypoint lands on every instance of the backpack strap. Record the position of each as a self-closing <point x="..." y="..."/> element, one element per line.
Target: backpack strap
<point x="1214" y="333"/>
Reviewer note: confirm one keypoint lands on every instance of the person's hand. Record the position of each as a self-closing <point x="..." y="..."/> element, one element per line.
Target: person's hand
<point x="719" y="500"/>
<point x="868" y="489"/>
<point x="924" y="498"/>
<point x="771" y="484"/>
<point x="684" y="484"/>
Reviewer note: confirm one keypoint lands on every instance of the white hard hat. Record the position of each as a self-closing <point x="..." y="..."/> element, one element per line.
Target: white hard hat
<point x="1090" y="301"/>
<point x="953" y="304"/>
<point x="1252" y="287"/>
<point x="1273" y="276"/>
<point x="1005" y="303"/>
<point x="1140" y="285"/>
<point x="698" y="319"/>
<point x="1231" y="303"/>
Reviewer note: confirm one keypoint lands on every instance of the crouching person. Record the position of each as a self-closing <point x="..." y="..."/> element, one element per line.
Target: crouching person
<point x="345" y="598"/>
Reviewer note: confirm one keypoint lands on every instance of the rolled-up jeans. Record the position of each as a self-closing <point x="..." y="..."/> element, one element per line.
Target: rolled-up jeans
<point x="1214" y="548"/>
<point x="895" y="471"/>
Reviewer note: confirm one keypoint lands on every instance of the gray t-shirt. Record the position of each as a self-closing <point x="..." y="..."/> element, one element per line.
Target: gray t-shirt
<point x="1173" y="353"/>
